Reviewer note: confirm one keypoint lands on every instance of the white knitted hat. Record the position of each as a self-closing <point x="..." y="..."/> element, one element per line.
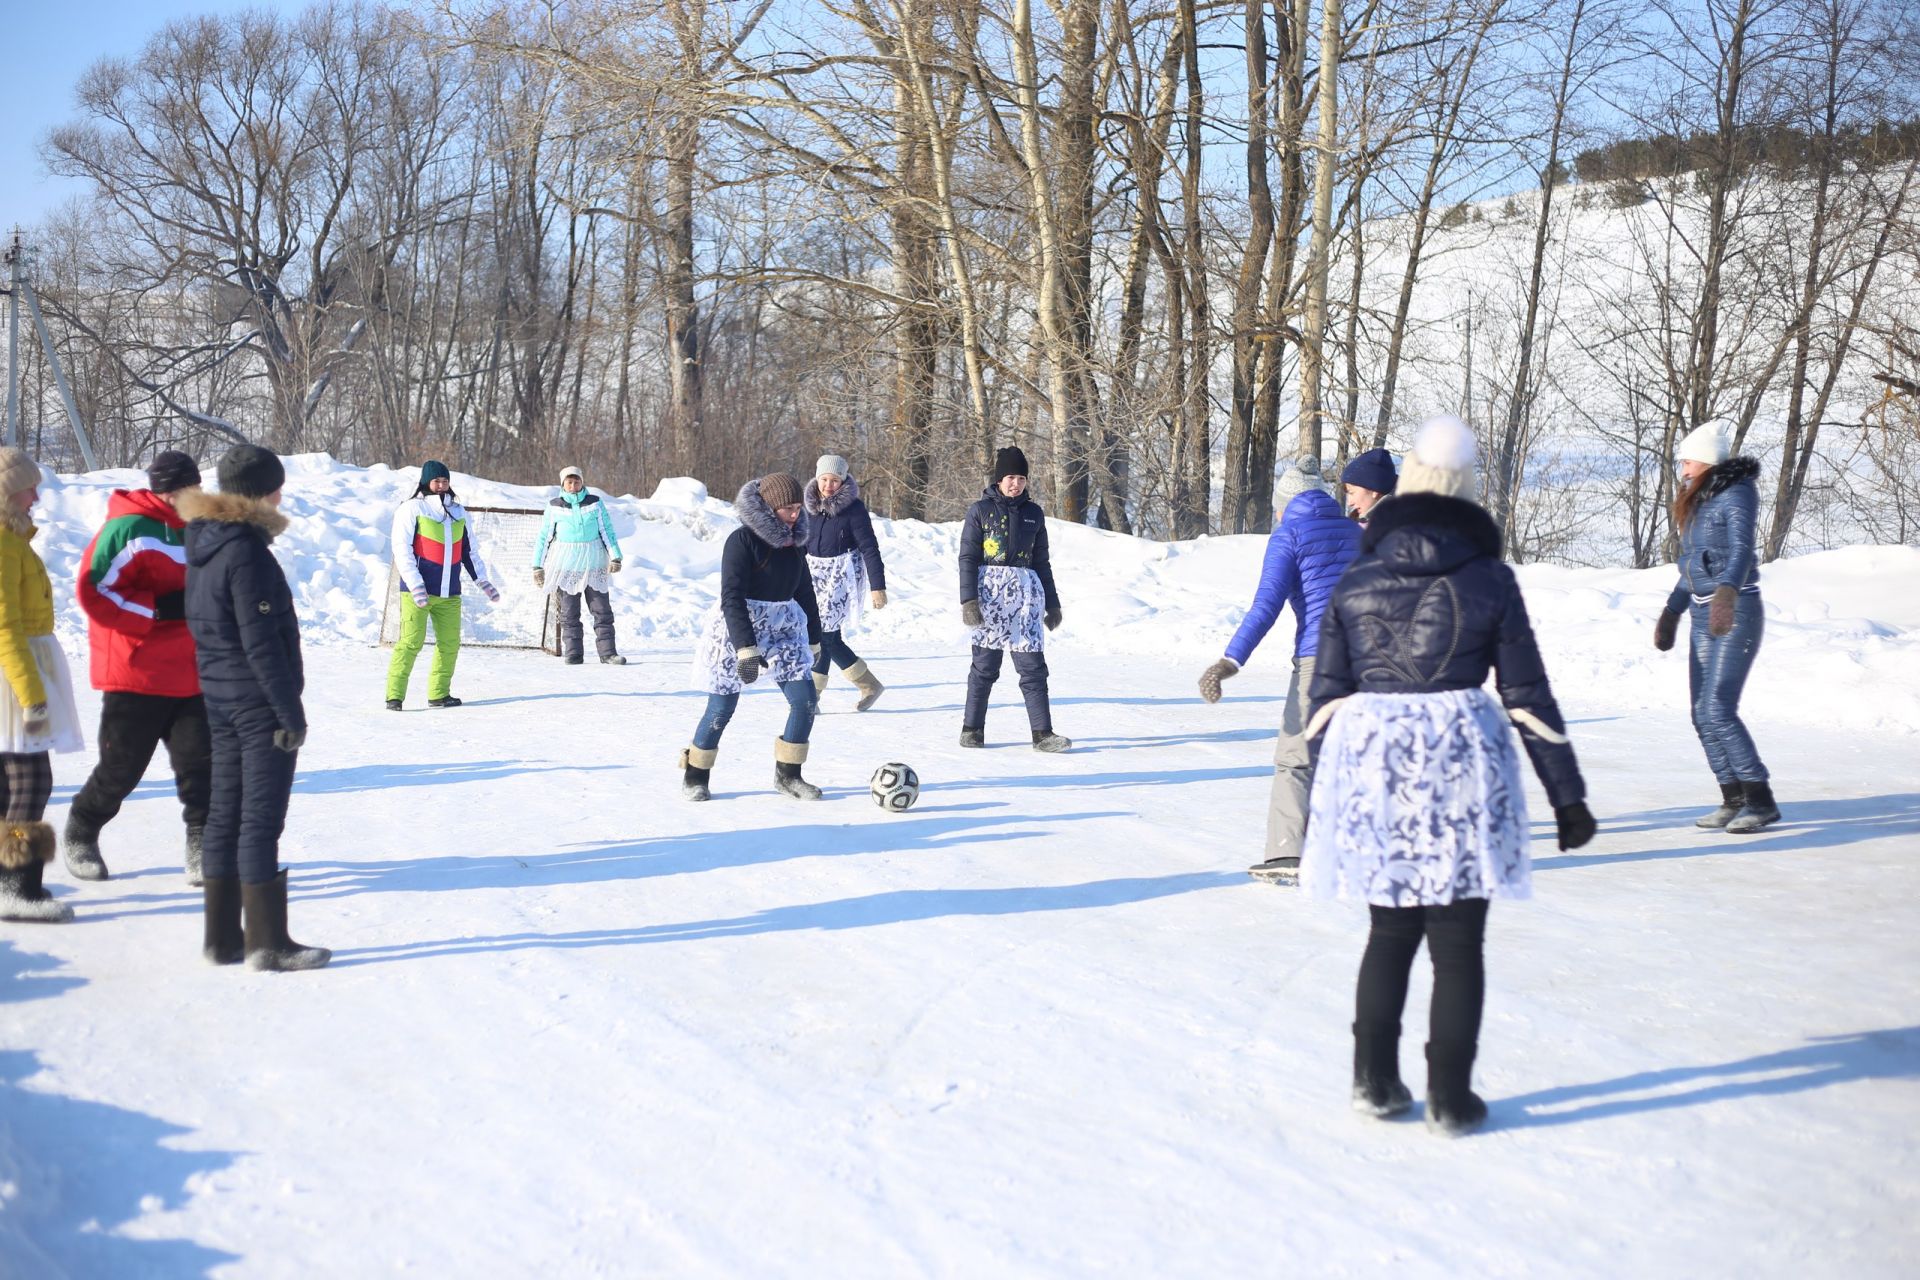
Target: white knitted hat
<point x="18" y="472"/>
<point x="1706" y="443"/>
<point x="830" y="464"/>
<point x="572" y="471"/>
<point x="1441" y="461"/>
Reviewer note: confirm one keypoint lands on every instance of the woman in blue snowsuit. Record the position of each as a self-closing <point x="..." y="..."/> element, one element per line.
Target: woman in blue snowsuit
<point x="573" y="557"/>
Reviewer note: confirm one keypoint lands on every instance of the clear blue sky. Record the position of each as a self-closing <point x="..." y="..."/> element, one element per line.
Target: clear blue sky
<point x="45" y="45"/>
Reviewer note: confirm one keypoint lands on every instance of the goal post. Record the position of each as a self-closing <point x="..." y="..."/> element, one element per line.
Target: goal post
<point x="523" y="618"/>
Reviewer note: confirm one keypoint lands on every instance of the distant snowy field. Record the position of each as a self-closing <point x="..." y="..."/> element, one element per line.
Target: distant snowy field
<point x="1040" y="1025"/>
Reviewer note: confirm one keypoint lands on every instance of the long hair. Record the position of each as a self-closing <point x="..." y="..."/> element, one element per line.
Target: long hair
<point x="1687" y="497"/>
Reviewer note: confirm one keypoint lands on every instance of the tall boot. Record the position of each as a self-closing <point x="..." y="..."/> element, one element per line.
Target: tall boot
<point x="1377" y="1087"/>
<point x="1453" y="1108"/>
<point x="1732" y="799"/>
<point x="869" y="686"/>
<point x="196" y="843"/>
<point x="268" y="946"/>
<point x="820" y="679"/>
<point x="698" y="765"/>
<point x="25" y="850"/>
<point x="225" y="942"/>
<point x="80" y="849"/>
<point x="1757" y="813"/>
<point x="787" y="759"/>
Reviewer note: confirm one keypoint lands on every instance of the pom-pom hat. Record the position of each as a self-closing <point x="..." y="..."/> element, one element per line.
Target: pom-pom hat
<point x="1441" y="460"/>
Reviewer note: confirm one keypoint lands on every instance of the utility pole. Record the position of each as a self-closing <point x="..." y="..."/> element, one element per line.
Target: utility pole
<point x="19" y="289"/>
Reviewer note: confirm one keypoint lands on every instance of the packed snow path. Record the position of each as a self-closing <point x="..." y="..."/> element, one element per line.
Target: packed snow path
<point x="1041" y="1025"/>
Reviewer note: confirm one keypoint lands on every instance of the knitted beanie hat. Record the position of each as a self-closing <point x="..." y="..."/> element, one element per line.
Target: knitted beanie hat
<point x="1441" y="460"/>
<point x="1371" y="470"/>
<point x="18" y="472"/>
<point x="1706" y="443"/>
<point x="1009" y="462"/>
<point x="172" y="470"/>
<point x="251" y="471"/>
<point x="779" y="490"/>
<point x="830" y="464"/>
<point x="574" y="472"/>
<point x="1303" y="475"/>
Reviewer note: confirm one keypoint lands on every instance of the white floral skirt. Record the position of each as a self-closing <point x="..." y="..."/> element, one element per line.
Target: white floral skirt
<point x="840" y="588"/>
<point x="779" y="629"/>
<point x="1013" y="610"/>
<point x="63" y="716"/>
<point x="1417" y="802"/>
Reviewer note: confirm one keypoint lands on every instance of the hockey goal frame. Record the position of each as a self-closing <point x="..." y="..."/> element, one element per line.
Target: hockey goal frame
<point x="547" y="639"/>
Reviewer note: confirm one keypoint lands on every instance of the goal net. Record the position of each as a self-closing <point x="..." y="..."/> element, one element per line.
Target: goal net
<point x="523" y="619"/>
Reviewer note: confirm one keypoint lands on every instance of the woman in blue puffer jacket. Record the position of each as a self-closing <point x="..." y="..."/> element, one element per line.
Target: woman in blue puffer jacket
<point x="844" y="558"/>
<point x="1719" y="588"/>
<point x="1307" y="552"/>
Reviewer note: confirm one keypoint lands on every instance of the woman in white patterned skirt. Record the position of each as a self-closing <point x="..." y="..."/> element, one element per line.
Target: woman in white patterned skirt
<point x="766" y="620"/>
<point x="1417" y="808"/>
<point x="1006" y="598"/>
<point x="844" y="558"/>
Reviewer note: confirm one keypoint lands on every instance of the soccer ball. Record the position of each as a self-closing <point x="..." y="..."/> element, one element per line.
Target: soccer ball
<point x="895" y="787"/>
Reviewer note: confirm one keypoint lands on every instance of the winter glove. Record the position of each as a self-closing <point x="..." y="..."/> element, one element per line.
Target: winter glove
<point x="879" y="599"/>
<point x="749" y="664"/>
<point x="493" y="592"/>
<point x="539" y="577"/>
<point x="38" y="720"/>
<point x="1052" y="618"/>
<point x="814" y="650"/>
<point x="419" y="597"/>
<point x="1210" y="678"/>
<point x="171" y="607"/>
<point x="613" y="566"/>
<point x="1576" y="824"/>
<point x="1720" y="612"/>
<point x="289" y="740"/>
<point x="1664" y="630"/>
<point x="970" y="614"/>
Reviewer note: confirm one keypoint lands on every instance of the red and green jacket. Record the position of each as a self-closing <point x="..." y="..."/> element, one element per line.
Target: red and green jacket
<point x="432" y="543"/>
<point x="133" y="580"/>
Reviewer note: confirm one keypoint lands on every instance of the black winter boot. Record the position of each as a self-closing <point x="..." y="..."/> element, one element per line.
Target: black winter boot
<point x="787" y="759"/>
<point x="973" y="737"/>
<point x="697" y="763"/>
<point x="196" y="838"/>
<point x="441" y="704"/>
<point x="225" y="942"/>
<point x="1377" y="1088"/>
<point x="1732" y="798"/>
<point x="1758" y="813"/>
<point x="25" y="848"/>
<point x="1050" y="742"/>
<point x="80" y="849"/>
<point x="268" y="946"/>
<point x="1453" y="1108"/>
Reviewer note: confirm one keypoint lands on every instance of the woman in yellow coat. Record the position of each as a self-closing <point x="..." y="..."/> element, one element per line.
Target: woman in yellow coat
<point x="37" y="712"/>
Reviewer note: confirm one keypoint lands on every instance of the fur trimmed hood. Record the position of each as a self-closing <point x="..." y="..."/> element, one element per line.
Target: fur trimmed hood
<point x="232" y="508"/>
<point x="1727" y="474"/>
<point x="1429" y="532"/>
<point x="845" y="496"/>
<point x="758" y="518"/>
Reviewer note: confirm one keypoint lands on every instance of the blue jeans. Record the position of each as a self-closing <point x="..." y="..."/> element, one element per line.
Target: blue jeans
<point x="835" y="649"/>
<point x="1716" y="672"/>
<point x="800" y="705"/>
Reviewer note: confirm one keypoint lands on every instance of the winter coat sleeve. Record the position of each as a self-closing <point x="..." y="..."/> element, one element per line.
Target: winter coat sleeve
<point x="263" y="613"/>
<point x="540" y="544"/>
<point x="470" y="553"/>
<point x="1043" y="564"/>
<point x="809" y="605"/>
<point x="606" y="530"/>
<point x="1332" y="665"/>
<point x="868" y="544"/>
<point x="736" y="564"/>
<point x="1679" y="598"/>
<point x="1739" y="512"/>
<point x="970" y="554"/>
<point x="405" y="522"/>
<point x="111" y="587"/>
<point x="16" y="658"/>
<point x="1521" y="678"/>
<point x="1279" y="574"/>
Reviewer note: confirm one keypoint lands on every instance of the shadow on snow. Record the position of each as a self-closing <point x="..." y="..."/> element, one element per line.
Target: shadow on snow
<point x="1806" y="824"/>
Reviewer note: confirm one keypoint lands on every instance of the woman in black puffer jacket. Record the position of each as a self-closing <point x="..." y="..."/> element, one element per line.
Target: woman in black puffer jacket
<point x="766" y="620"/>
<point x="844" y="558"/>
<point x="1417" y="804"/>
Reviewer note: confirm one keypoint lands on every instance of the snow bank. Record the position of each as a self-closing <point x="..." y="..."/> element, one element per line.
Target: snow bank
<point x="1843" y="627"/>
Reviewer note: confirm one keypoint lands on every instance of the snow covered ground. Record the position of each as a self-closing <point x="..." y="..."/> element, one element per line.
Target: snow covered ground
<point x="1040" y="1025"/>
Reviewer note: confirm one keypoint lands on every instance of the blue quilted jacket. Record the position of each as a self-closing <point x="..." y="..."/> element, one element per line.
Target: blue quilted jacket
<point x="1717" y="544"/>
<point x="1306" y="554"/>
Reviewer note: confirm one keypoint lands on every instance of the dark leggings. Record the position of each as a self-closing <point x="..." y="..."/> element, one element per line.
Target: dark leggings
<point x="1455" y="934"/>
<point x="835" y="649"/>
<point x="26" y="783"/>
<point x="720" y="707"/>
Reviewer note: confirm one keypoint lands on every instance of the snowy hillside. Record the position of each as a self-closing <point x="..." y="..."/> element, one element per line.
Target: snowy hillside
<point x="1040" y="1025"/>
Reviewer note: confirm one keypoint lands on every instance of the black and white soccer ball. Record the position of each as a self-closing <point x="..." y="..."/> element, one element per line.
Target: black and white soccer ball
<point x="895" y="787"/>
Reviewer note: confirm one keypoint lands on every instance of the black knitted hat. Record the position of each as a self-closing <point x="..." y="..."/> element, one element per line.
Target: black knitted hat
<point x="251" y="471"/>
<point x="1008" y="462"/>
<point x="172" y="470"/>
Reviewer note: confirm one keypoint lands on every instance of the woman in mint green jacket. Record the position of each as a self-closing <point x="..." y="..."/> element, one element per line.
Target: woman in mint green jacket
<point x="576" y="553"/>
